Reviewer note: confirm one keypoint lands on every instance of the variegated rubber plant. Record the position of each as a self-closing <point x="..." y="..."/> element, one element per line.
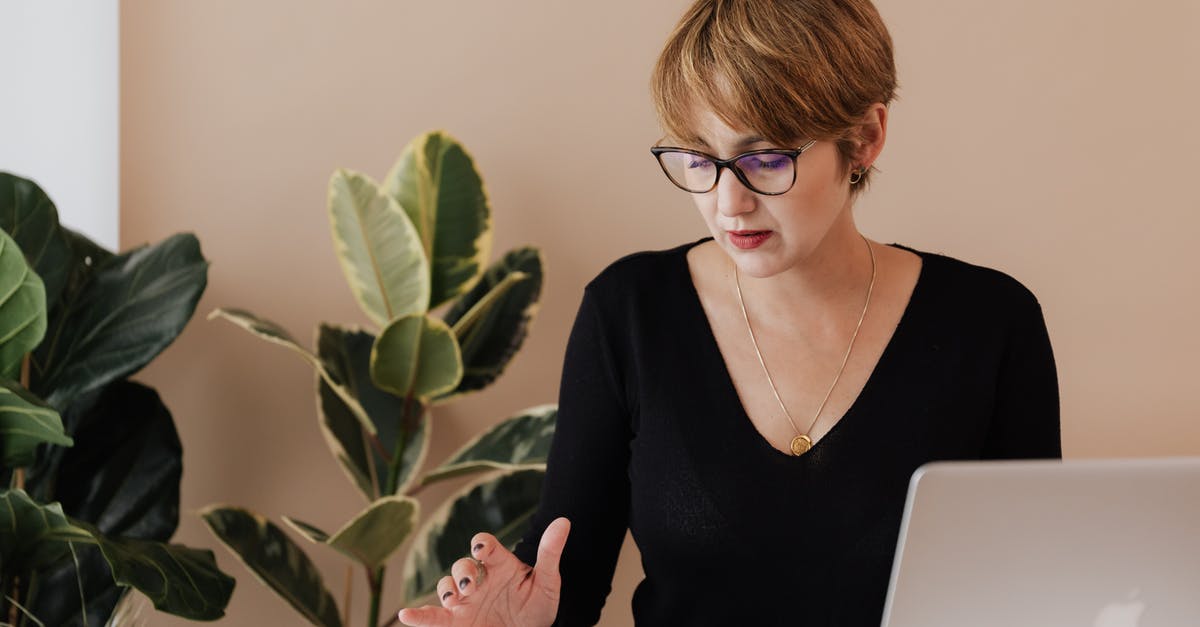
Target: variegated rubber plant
<point x="416" y="242"/>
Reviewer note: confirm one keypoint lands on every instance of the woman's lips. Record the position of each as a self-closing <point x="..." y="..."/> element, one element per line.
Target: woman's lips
<point x="747" y="240"/>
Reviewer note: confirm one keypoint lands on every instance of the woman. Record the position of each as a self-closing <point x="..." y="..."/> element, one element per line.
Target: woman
<point x="752" y="405"/>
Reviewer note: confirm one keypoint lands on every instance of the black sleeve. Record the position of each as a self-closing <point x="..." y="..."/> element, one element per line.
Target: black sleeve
<point x="586" y="476"/>
<point x="1026" y="420"/>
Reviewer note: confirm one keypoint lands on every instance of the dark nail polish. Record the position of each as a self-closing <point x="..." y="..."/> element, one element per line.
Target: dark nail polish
<point x="447" y="595"/>
<point x="477" y="548"/>
<point x="462" y="583"/>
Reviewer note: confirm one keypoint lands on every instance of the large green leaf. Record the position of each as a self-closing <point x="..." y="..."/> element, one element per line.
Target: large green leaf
<point x="122" y="477"/>
<point x="492" y="320"/>
<point x="27" y="214"/>
<point x="110" y="326"/>
<point x="32" y="535"/>
<point x="373" y="535"/>
<point x="25" y="423"/>
<point x="275" y="560"/>
<point x="347" y="356"/>
<point x="416" y="355"/>
<point x="436" y="183"/>
<point x="123" y="473"/>
<point x="22" y="308"/>
<point x="179" y="580"/>
<point x="500" y="506"/>
<point x="379" y="249"/>
<point x="275" y="334"/>
<point x="520" y="441"/>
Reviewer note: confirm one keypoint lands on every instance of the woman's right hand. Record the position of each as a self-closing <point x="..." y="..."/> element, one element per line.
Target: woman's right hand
<point x="507" y="593"/>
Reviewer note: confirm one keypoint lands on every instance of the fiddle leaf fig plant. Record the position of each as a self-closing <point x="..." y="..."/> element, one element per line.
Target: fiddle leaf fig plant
<point x="407" y="246"/>
<point x="89" y="460"/>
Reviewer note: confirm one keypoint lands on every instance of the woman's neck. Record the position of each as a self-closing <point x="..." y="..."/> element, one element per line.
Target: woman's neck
<point x="822" y="289"/>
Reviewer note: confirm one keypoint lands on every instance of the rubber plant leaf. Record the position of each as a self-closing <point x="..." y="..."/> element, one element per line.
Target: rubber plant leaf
<point x="416" y="355"/>
<point x="275" y="560"/>
<point x="501" y="506"/>
<point x="271" y="332"/>
<point x="379" y="249"/>
<point x="22" y="308"/>
<point x="130" y="308"/>
<point x="437" y="185"/>
<point x="28" y="215"/>
<point x="492" y="320"/>
<point x="522" y="441"/>
<point x="373" y="535"/>
<point x="346" y="354"/>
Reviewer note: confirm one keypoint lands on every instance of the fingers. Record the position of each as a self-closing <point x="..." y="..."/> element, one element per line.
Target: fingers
<point x="447" y="592"/>
<point x="550" y="553"/>
<point x="466" y="576"/>
<point x="483" y="545"/>
<point x="426" y="616"/>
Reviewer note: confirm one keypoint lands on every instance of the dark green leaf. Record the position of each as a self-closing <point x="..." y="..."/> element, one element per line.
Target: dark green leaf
<point x="125" y="314"/>
<point x="22" y="308"/>
<point x="122" y="477"/>
<point x="436" y="184"/>
<point x="25" y="423"/>
<point x="123" y="474"/>
<point x="501" y="506"/>
<point x="32" y="535"/>
<point x="523" y="440"/>
<point x="179" y="580"/>
<point x="347" y="356"/>
<point x="275" y="560"/>
<point x="491" y="330"/>
<point x="27" y="214"/>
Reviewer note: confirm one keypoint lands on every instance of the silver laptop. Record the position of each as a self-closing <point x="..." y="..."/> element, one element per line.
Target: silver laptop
<point x="1095" y="543"/>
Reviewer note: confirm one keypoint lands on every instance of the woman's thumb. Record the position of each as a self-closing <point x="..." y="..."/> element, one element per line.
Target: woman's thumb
<point x="550" y="550"/>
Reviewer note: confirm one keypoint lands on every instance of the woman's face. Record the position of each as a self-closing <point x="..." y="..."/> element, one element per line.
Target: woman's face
<point x="767" y="235"/>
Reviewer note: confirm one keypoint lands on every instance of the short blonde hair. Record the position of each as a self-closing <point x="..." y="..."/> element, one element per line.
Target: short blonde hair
<point x="787" y="69"/>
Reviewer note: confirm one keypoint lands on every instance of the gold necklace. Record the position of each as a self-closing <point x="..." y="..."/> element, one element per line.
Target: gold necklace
<point x="802" y="442"/>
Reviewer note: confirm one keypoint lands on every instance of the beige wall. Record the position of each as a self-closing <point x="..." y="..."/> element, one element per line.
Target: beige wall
<point x="1053" y="140"/>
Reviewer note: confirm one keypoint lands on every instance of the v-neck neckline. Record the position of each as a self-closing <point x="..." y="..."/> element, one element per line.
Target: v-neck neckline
<point x="743" y="424"/>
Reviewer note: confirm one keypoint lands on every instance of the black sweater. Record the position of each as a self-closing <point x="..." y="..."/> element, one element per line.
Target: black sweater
<point x="652" y="437"/>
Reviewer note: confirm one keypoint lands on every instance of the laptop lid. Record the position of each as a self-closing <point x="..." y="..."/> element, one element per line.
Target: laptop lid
<point x="1088" y="543"/>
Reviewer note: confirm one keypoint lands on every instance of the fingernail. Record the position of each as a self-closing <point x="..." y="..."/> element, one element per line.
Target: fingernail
<point x="477" y="548"/>
<point x="462" y="583"/>
<point x="447" y="594"/>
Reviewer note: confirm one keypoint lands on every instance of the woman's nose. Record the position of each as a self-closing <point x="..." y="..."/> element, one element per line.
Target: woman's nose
<point x="733" y="198"/>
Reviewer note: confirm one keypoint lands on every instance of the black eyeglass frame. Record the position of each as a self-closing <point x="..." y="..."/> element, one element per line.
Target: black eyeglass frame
<point x="731" y="163"/>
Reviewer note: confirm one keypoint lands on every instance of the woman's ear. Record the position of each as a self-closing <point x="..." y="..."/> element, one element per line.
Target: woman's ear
<point x="872" y="132"/>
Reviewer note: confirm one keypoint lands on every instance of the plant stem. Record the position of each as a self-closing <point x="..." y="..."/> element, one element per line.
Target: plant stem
<point x="406" y="429"/>
<point x="346" y="599"/>
<point x="375" y="581"/>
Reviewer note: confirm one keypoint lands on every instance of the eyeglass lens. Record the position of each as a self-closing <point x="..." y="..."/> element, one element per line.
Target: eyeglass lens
<point x="769" y="173"/>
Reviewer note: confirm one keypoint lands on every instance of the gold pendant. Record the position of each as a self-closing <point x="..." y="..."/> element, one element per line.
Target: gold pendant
<point x="801" y="444"/>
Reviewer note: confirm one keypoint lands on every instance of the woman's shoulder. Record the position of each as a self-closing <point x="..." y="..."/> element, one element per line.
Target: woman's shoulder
<point x="972" y="285"/>
<point x="645" y="271"/>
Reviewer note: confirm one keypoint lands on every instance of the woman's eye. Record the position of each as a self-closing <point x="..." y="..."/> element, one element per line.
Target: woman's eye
<point x="771" y="162"/>
<point x="699" y="163"/>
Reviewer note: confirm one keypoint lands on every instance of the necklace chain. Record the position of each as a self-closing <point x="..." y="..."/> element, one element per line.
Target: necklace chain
<point x="803" y="442"/>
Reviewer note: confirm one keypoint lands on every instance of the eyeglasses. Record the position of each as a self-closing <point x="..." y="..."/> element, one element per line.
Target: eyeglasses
<point x="770" y="172"/>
